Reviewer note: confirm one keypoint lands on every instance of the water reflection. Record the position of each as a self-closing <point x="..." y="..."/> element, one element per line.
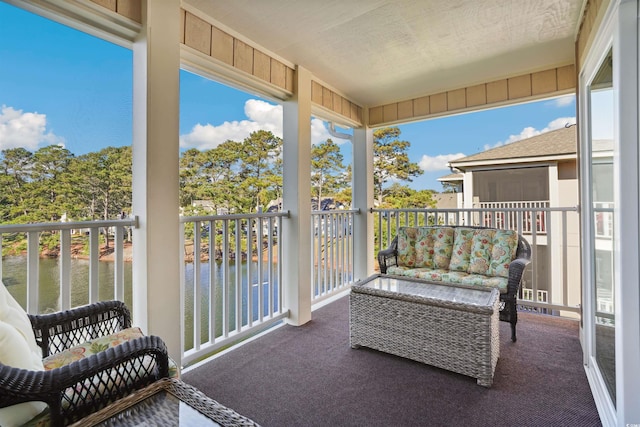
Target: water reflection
<point x="14" y="276"/>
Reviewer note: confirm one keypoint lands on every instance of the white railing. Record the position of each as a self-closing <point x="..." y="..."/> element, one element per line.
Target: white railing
<point x="555" y="267"/>
<point x="332" y="253"/>
<point x="232" y="279"/>
<point x="86" y="234"/>
<point x="501" y="215"/>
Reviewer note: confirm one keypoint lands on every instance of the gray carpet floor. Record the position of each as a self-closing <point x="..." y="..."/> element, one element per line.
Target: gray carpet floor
<point x="310" y="376"/>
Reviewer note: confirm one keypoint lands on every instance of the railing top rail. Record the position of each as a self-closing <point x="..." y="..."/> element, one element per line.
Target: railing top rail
<point x="185" y="219"/>
<point x="72" y="225"/>
<point x="515" y="201"/>
<point x="479" y="210"/>
<point x="335" y="211"/>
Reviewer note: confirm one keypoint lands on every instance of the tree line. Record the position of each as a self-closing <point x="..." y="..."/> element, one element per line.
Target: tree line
<point x="45" y="185"/>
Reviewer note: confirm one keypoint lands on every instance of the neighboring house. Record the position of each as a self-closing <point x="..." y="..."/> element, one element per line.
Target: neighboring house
<point x="541" y="169"/>
<point x="535" y="174"/>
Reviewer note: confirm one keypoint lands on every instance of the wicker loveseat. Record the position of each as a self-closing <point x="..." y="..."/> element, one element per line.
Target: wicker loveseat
<point x="57" y="368"/>
<point x="464" y="256"/>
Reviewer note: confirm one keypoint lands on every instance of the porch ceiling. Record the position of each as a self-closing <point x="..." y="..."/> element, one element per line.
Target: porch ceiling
<point x="381" y="51"/>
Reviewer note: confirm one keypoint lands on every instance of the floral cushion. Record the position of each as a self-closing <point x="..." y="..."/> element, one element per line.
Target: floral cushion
<point x="442" y="246"/>
<point x="406" y="246"/>
<point x="505" y="244"/>
<point x="481" y="249"/>
<point x="435" y="275"/>
<point x="461" y="251"/>
<point x="406" y="271"/>
<point x="398" y="270"/>
<point x="454" y="276"/>
<point x="97" y="345"/>
<point x="424" y="248"/>
<point x="496" y="282"/>
<point x="486" y="282"/>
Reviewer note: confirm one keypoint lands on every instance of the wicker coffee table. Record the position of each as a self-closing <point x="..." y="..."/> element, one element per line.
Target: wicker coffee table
<point x="167" y="402"/>
<point x="451" y="327"/>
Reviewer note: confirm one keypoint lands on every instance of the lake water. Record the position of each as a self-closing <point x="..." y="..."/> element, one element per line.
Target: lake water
<point x="14" y="276"/>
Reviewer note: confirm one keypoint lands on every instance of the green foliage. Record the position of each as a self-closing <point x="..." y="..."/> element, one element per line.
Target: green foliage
<point x="327" y="175"/>
<point x="391" y="161"/>
<point x="50" y="183"/>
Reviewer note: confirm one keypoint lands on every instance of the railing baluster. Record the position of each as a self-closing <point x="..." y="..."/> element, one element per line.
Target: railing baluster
<point x="118" y="264"/>
<point x="213" y="284"/>
<point x="65" y="269"/>
<point x="94" y="258"/>
<point x="197" y="289"/>
<point x="225" y="279"/>
<point x="33" y="279"/>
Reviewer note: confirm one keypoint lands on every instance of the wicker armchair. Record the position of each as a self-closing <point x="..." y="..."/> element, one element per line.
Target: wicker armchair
<point x="508" y="301"/>
<point x="83" y="386"/>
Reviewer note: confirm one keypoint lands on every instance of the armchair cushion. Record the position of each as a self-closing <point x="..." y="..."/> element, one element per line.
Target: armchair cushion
<point x="88" y="348"/>
<point x="18" y="348"/>
<point x="97" y="345"/>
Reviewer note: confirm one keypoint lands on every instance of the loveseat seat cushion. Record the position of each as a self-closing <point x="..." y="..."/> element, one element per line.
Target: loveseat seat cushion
<point x="485" y="282"/>
<point x="402" y="270"/>
<point x="453" y="277"/>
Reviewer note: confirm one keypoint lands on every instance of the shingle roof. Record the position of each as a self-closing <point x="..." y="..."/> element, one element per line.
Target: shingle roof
<point x="554" y="143"/>
<point x="452" y="177"/>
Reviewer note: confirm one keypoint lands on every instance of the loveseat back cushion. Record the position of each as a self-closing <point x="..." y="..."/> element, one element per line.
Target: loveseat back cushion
<point x="424" y="247"/>
<point x="461" y="251"/>
<point x="407" y="246"/>
<point x="481" y="248"/>
<point x="442" y="246"/>
<point x="18" y="349"/>
<point x="505" y="245"/>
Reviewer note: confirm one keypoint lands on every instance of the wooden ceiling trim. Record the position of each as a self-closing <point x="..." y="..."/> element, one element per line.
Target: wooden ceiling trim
<point x="560" y="80"/>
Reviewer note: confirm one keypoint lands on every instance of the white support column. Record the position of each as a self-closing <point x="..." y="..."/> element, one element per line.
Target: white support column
<point x="296" y="235"/>
<point x="156" y="266"/>
<point x="554" y="238"/>
<point x="467" y="189"/>
<point x="363" y="238"/>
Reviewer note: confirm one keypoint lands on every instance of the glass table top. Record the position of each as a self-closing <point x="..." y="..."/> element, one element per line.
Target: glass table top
<point x="161" y="408"/>
<point x="479" y="297"/>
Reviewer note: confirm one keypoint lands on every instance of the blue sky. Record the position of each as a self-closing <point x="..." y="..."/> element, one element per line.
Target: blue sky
<point x="60" y="86"/>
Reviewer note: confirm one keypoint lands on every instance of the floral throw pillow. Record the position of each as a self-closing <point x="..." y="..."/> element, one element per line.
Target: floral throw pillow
<point x="406" y="246"/>
<point x="97" y="345"/>
<point x="481" y="249"/>
<point x="461" y="251"/>
<point x="442" y="246"/>
<point x="424" y="248"/>
<point x="505" y="244"/>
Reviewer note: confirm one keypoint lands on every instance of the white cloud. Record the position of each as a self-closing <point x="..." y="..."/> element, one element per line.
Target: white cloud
<point x="437" y="163"/>
<point x="563" y="101"/>
<point x="27" y="130"/>
<point x="529" y="131"/>
<point x="261" y="115"/>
